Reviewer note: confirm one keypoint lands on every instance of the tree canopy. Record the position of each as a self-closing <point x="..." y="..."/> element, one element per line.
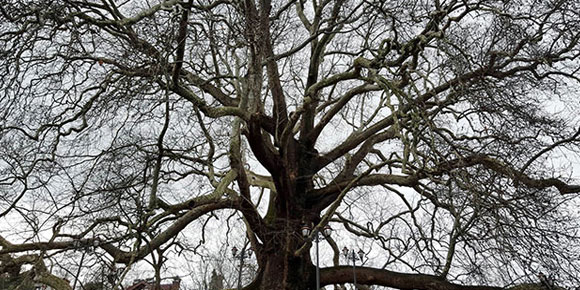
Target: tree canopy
<point x="443" y="135"/>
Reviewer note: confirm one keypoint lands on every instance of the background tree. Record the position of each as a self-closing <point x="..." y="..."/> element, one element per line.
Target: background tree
<point x="442" y="131"/>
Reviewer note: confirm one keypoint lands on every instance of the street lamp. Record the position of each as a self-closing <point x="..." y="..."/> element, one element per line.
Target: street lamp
<point x="351" y="256"/>
<point x="318" y="236"/>
<point x="241" y="255"/>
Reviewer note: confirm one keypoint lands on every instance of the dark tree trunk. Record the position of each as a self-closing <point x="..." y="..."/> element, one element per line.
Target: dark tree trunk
<point x="280" y="267"/>
<point x="284" y="271"/>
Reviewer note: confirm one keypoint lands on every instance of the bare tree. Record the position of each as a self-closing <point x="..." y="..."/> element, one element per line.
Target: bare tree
<point x="443" y="132"/>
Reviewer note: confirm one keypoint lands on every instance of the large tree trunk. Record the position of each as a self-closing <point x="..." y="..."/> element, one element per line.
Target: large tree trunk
<point x="279" y="267"/>
<point x="284" y="271"/>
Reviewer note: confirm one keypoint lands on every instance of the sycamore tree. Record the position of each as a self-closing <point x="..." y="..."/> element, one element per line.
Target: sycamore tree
<point x="443" y="131"/>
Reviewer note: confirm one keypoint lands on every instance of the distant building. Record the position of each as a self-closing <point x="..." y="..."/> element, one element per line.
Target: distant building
<point x="149" y="284"/>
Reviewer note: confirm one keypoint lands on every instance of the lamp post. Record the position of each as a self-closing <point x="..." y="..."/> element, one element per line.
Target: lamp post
<point x="350" y="255"/>
<point x="318" y="236"/>
<point x="244" y="253"/>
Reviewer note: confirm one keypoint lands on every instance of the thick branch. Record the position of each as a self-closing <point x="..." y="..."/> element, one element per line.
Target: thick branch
<point x="207" y="87"/>
<point x="373" y="179"/>
<point x="126" y="257"/>
<point x="213" y="112"/>
<point x="181" y="39"/>
<point x="510" y="172"/>
<point x="279" y="111"/>
<point x="120" y="255"/>
<point x="372" y="276"/>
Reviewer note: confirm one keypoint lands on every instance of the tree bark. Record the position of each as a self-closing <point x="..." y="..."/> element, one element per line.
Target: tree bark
<point x="372" y="276"/>
<point x="283" y="271"/>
